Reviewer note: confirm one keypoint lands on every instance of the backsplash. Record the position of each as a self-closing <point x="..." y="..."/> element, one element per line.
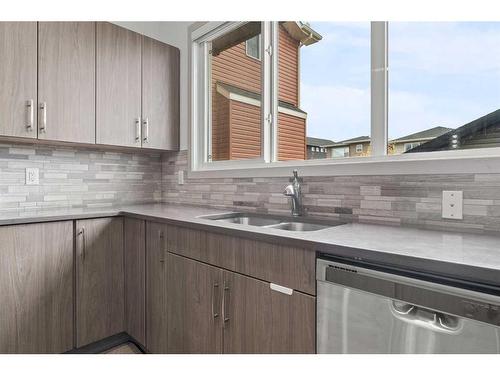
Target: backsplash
<point x="72" y="177"/>
<point x="406" y="200"/>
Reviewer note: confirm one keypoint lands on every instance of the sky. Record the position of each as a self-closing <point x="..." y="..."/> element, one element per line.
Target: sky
<point x="440" y="74"/>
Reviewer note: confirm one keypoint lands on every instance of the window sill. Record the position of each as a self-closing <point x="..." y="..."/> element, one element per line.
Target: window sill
<point x="439" y="162"/>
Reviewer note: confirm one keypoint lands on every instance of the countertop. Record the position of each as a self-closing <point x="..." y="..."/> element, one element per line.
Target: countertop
<point x="472" y="257"/>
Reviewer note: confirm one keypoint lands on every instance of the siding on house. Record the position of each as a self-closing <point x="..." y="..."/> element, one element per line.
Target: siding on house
<point x="291" y="137"/>
<point x="236" y="126"/>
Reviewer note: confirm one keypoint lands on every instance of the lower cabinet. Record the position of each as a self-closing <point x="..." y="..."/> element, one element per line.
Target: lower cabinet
<point x="156" y="288"/>
<point x="99" y="279"/>
<point x="36" y="288"/>
<point x="194" y="313"/>
<point x="211" y="310"/>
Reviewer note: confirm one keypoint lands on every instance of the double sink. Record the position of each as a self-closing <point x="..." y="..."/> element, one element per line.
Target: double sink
<point x="295" y="224"/>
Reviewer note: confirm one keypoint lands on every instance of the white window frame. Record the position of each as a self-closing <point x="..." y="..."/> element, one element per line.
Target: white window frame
<point x="359" y="147"/>
<point x="249" y="55"/>
<point x="438" y="162"/>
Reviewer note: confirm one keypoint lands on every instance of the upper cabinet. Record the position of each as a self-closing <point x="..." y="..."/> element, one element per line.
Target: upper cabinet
<point x="83" y="82"/>
<point x="66" y="81"/>
<point x="18" y="79"/>
<point x="160" y="95"/>
<point x="118" y="120"/>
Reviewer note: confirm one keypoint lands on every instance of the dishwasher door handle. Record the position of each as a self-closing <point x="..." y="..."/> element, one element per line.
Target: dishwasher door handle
<point x="425" y="318"/>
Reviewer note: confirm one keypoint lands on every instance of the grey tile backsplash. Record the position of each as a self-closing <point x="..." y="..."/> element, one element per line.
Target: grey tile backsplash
<point x="406" y="200"/>
<point x="71" y="177"/>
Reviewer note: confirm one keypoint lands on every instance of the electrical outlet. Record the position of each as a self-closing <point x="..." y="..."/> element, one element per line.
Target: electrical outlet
<point x="32" y="176"/>
<point x="180" y="177"/>
<point x="452" y="205"/>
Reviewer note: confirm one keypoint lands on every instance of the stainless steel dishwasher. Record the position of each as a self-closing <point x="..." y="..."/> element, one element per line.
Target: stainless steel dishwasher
<point x="365" y="308"/>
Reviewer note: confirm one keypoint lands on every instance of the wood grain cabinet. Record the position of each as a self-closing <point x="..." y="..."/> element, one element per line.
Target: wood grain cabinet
<point x="160" y="95"/>
<point x="118" y="117"/>
<point x="18" y="72"/>
<point x="211" y="310"/>
<point x="156" y="288"/>
<point x="36" y="288"/>
<point x="100" y="281"/>
<point x="66" y="81"/>
<point x="135" y="278"/>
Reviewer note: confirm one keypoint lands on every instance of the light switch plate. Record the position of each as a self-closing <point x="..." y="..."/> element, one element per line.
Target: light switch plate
<point x="32" y="176"/>
<point x="452" y="205"/>
<point x="180" y="177"/>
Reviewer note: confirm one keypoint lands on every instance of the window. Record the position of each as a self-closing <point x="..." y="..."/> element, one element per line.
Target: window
<point x="264" y="92"/>
<point x="444" y="85"/>
<point x="253" y="47"/>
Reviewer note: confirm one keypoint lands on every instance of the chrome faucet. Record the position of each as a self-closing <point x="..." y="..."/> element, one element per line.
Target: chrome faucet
<point x="294" y="192"/>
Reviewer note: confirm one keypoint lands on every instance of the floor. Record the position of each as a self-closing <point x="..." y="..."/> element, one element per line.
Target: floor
<point x="127" y="348"/>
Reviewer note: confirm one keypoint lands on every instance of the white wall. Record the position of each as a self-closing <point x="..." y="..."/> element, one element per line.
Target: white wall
<point x="175" y="34"/>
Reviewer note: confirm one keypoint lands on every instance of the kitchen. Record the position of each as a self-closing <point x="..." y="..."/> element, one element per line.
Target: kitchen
<point x="157" y="196"/>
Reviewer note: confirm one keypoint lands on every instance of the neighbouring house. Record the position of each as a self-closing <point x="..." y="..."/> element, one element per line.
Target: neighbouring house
<point x="318" y="148"/>
<point x="236" y="93"/>
<point x="408" y="142"/>
<point x="481" y="133"/>
<point x="359" y="146"/>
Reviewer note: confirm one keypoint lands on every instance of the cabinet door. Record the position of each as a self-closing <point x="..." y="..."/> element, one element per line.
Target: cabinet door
<point x="258" y="319"/>
<point x="66" y="81"/>
<point x="18" y="79"/>
<point x="194" y="316"/>
<point x="135" y="278"/>
<point x="100" y="279"/>
<point x="160" y="95"/>
<point x="36" y="288"/>
<point x="156" y="288"/>
<point x="118" y="95"/>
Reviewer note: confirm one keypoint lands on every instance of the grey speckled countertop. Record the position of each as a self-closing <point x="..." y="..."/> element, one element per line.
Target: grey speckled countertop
<point x="472" y="257"/>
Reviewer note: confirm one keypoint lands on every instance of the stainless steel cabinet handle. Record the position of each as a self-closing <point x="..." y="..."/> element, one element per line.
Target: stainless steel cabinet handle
<point x="145" y="125"/>
<point x="138" y="129"/>
<point x="84" y="242"/>
<point x="225" y="302"/>
<point x="30" y="115"/>
<point x="215" y="288"/>
<point x="162" y="246"/>
<point x="43" y="117"/>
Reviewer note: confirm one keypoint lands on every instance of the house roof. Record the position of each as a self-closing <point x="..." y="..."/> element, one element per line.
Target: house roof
<point x="361" y="139"/>
<point x="256" y="96"/>
<point x="423" y="135"/>
<point x="478" y="129"/>
<point x="319" y="142"/>
<point x="302" y="32"/>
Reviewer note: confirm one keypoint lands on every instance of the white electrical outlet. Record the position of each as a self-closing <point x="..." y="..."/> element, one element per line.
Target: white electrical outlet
<point x="452" y="206"/>
<point x="180" y="177"/>
<point x="32" y="176"/>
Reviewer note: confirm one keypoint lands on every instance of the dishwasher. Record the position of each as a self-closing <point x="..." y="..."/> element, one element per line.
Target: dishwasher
<point x="367" y="308"/>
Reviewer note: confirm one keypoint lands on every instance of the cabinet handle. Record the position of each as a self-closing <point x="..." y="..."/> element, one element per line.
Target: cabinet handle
<point x="215" y="314"/>
<point x="30" y="115"/>
<point x="43" y="117"/>
<point x="137" y="129"/>
<point x="162" y="246"/>
<point x="145" y="124"/>
<point x="84" y="242"/>
<point x="225" y="298"/>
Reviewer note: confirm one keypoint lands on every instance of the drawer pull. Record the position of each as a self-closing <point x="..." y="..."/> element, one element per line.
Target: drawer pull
<point x="281" y="289"/>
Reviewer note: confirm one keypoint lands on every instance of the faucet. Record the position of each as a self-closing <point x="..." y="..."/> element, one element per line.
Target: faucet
<point x="293" y="191"/>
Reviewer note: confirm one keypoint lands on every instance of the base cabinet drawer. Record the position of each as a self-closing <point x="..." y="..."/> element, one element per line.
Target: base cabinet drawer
<point x="36" y="288"/>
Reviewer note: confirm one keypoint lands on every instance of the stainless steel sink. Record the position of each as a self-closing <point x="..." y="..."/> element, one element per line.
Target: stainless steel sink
<point x="295" y="224"/>
<point x="298" y="226"/>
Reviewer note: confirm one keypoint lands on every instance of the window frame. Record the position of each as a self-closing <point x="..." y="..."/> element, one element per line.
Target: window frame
<point x="437" y="162"/>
